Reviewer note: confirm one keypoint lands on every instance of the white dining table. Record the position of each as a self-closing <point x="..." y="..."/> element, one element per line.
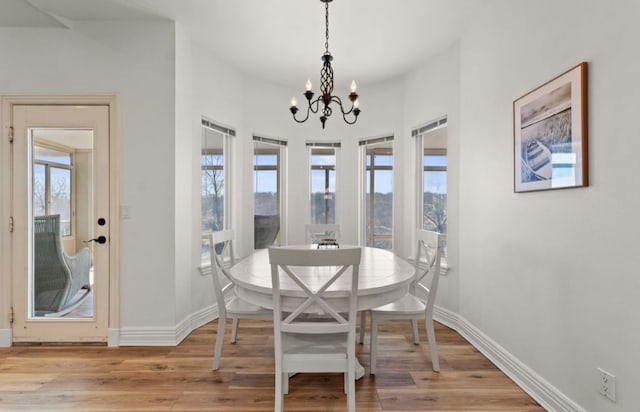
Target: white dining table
<point x="383" y="278"/>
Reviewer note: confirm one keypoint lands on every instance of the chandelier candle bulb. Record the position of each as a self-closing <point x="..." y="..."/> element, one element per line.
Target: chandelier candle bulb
<point x="353" y="87"/>
<point x="294" y="102"/>
<point x="307" y="85"/>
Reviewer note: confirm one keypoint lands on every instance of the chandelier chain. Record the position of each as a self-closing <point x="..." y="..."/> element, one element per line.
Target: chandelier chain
<point x="326" y="19"/>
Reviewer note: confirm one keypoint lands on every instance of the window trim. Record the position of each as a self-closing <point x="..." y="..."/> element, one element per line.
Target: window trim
<point x="227" y="145"/>
<point x="419" y="133"/>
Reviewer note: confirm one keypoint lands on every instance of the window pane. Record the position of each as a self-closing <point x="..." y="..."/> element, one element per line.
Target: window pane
<point x="265" y="160"/>
<point x="323" y="200"/>
<point x="44" y="154"/>
<point x="39" y="200"/>
<point x="384" y="160"/>
<point x="435" y="181"/>
<point x="323" y="187"/>
<point x="383" y="201"/>
<point x="212" y="199"/>
<point x="435" y="201"/>
<point x="323" y="160"/>
<point x="379" y="215"/>
<point x="61" y="198"/>
<point x="213" y="180"/>
<point x="435" y="160"/>
<point x="266" y="198"/>
<point x="265" y="192"/>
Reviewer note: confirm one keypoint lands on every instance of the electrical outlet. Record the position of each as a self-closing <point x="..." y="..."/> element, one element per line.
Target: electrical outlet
<point x="607" y="385"/>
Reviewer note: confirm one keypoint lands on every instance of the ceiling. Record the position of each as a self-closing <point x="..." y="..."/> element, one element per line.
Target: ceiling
<point x="282" y="41"/>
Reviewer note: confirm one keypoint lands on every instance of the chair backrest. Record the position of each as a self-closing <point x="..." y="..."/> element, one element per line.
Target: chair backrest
<point x="223" y="247"/>
<point x="51" y="272"/>
<point x="427" y="266"/>
<point x="219" y="266"/>
<point x="317" y="232"/>
<point x="266" y="229"/>
<point x="292" y="263"/>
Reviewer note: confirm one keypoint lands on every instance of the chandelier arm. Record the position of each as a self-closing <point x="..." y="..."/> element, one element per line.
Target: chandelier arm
<point x="344" y="116"/>
<point x="303" y="120"/>
<point x="309" y="109"/>
<point x="353" y="110"/>
<point x="337" y="100"/>
<point x="317" y="103"/>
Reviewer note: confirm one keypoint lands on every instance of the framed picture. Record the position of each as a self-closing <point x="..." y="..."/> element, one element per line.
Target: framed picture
<point x="550" y="134"/>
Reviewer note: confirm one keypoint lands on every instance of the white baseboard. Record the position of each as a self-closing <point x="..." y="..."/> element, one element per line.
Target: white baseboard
<point x="166" y="336"/>
<point x="537" y="387"/>
<point x="6" y="338"/>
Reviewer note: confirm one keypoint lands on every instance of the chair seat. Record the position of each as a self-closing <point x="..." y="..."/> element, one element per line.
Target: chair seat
<point x="241" y="307"/>
<point x="406" y="305"/>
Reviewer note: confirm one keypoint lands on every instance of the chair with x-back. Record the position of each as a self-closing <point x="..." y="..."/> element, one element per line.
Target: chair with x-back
<point x="229" y="305"/>
<point x="418" y="303"/>
<point x="325" y="343"/>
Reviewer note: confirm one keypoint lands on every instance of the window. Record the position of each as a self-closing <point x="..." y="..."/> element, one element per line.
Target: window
<point x="378" y="192"/>
<point x="52" y="184"/>
<point x="268" y="191"/>
<point x="323" y="183"/>
<point x="431" y="141"/>
<point x="214" y="167"/>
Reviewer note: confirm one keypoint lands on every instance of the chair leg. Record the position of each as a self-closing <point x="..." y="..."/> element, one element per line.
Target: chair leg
<point x="363" y="324"/>
<point x="219" y="340"/>
<point x="285" y="383"/>
<point x="346" y="383"/>
<point x="234" y="329"/>
<point x="431" y="335"/>
<point x="414" y="330"/>
<point x="373" y="345"/>
<point x="351" y="387"/>
<point x="279" y="395"/>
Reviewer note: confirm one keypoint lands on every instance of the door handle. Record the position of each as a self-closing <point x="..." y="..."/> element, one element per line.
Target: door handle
<point x="100" y="239"/>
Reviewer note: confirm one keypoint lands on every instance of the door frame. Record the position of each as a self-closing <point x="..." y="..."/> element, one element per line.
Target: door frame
<point x="6" y="166"/>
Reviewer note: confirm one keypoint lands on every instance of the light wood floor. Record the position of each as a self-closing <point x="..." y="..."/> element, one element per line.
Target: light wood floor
<point x="97" y="378"/>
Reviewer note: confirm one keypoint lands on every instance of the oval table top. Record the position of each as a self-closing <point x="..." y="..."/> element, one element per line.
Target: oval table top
<point x="383" y="278"/>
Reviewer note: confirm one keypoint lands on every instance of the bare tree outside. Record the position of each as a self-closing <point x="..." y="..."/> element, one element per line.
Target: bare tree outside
<point x="212" y="191"/>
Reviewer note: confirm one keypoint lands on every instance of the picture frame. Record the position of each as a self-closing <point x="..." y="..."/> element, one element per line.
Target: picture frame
<point x="550" y="134"/>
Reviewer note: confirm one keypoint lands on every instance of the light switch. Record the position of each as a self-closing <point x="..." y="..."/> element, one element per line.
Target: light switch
<point x="125" y="212"/>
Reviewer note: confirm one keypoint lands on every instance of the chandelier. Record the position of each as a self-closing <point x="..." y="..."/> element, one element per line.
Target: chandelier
<point x="326" y="88"/>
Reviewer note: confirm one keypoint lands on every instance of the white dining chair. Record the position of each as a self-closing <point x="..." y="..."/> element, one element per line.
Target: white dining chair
<point x="418" y="303"/>
<point x="325" y="344"/>
<point x="320" y="231"/>
<point x="229" y="304"/>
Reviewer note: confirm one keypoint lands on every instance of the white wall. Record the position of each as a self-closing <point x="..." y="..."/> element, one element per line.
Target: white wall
<point x="552" y="276"/>
<point x="135" y="60"/>
<point x="186" y="155"/>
